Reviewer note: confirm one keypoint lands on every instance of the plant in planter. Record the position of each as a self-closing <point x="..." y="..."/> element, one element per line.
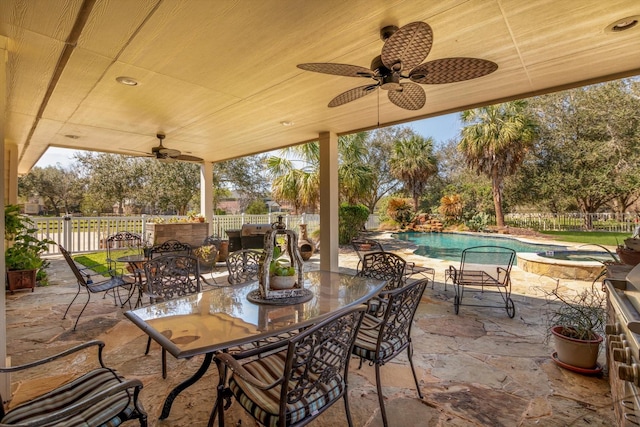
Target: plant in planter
<point x="23" y="257"/>
<point x="577" y="324"/>
<point x="207" y="255"/>
<point x="283" y="274"/>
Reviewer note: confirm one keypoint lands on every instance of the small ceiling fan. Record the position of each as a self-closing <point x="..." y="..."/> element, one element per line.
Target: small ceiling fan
<point x="164" y="154"/>
<point x="401" y="58"/>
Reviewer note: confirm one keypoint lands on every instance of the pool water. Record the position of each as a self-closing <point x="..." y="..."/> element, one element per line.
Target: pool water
<point x="449" y="246"/>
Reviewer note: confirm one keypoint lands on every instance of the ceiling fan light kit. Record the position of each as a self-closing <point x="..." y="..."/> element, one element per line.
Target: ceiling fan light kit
<point x="401" y="58"/>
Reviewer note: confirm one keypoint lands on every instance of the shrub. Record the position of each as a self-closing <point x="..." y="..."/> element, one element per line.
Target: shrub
<point x="401" y="211"/>
<point x="352" y="219"/>
<point x="479" y="222"/>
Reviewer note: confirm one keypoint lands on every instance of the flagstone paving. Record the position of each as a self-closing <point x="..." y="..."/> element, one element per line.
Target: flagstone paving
<point x="478" y="368"/>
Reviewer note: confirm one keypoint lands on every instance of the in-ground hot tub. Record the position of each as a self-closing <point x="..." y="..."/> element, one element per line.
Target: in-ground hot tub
<point x="569" y="264"/>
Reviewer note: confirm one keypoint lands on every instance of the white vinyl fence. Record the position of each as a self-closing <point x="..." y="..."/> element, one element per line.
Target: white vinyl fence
<point x="85" y="234"/>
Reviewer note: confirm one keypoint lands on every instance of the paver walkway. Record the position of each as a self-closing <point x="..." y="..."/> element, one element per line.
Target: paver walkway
<point x="478" y="368"/>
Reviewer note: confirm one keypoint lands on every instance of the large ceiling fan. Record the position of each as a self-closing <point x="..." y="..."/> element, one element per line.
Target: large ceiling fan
<point x="402" y="54"/>
<point x="165" y="154"/>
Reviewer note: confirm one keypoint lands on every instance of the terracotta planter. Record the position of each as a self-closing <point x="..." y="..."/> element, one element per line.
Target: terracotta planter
<point x="579" y="353"/>
<point x="21" y="279"/>
<point x="628" y="256"/>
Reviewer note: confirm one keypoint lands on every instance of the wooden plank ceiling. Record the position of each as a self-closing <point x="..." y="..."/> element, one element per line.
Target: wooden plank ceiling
<point x="220" y="77"/>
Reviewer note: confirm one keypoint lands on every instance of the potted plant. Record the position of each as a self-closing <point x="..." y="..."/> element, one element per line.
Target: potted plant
<point x="282" y="273"/>
<point x="577" y="324"/>
<point x="23" y="258"/>
<point x="207" y="256"/>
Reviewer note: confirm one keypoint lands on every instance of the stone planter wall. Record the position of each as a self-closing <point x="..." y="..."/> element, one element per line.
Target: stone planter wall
<point x="192" y="233"/>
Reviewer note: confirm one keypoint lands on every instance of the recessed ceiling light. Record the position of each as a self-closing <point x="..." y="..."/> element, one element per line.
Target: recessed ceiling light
<point x="286" y="123"/>
<point x="623" y="24"/>
<point x="72" y="136"/>
<point x="128" y="81"/>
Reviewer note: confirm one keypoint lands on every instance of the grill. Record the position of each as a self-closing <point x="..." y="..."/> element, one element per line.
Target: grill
<point x="252" y="235"/>
<point x="623" y="343"/>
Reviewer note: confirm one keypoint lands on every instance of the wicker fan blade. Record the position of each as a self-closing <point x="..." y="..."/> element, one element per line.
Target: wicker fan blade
<point x="352" y="95"/>
<point x="408" y="46"/>
<point x="168" y="152"/>
<point x="411" y="97"/>
<point x="187" y="158"/>
<point x="450" y="70"/>
<point x="338" y="69"/>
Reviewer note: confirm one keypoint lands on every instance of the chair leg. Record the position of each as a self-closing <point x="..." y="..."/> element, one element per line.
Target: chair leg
<point x="82" y="311"/>
<point x="415" y="377"/>
<point x="148" y="345"/>
<point x="346" y="407"/>
<point x="164" y="363"/>
<point x="71" y="303"/>
<point x="383" y="412"/>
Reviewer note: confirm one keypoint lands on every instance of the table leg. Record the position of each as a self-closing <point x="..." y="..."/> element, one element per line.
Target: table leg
<point x="166" y="409"/>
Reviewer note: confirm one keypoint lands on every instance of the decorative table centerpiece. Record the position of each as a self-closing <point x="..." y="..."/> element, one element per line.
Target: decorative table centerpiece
<point x="281" y="272"/>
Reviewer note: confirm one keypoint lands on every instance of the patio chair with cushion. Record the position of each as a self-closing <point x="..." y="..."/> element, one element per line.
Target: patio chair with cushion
<point x="297" y="384"/>
<point x="363" y="246"/>
<point x="243" y="266"/>
<point x="95" y="283"/>
<point x="384" y="266"/>
<point x="387" y="332"/>
<point x="100" y="397"/>
<point x="480" y="267"/>
<point x="169" y="277"/>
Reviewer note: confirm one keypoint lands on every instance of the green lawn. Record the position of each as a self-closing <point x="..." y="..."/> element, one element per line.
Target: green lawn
<point x="603" y="238"/>
<point x="97" y="261"/>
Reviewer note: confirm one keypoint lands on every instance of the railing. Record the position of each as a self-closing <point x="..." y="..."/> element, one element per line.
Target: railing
<point x="605" y="221"/>
<point x="86" y="234"/>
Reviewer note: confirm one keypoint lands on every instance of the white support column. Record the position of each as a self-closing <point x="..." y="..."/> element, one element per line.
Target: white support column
<point x="206" y="193"/>
<point x="329" y="201"/>
<point x="5" y="380"/>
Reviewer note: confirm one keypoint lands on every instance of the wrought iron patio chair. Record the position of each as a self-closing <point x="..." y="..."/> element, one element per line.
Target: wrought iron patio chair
<point x="387" y="332"/>
<point x="123" y="244"/>
<point x="363" y="246"/>
<point x="297" y="384"/>
<point x="169" y="277"/>
<point x="480" y="267"/>
<point x="384" y="266"/>
<point x="95" y="283"/>
<point x="100" y="397"/>
<point x="243" y="266"/>
<point x="170" y="247"/>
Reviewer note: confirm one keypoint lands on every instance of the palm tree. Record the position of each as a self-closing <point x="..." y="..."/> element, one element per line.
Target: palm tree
<point x="413" y="163"/>
<point x="495" y="142"/>
<point x="355" y="175"/>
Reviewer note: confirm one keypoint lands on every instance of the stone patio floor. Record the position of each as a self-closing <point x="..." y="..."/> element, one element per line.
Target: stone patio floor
<point x="478" y="368"/>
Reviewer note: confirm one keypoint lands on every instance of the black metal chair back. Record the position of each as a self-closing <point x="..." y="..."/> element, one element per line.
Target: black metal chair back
<point x="95" y="283"/>
<point x="384" y="266"/>
<point x="387" y="333"/>
<point x="170" y="247"/>
<point x="306" y="378"/>
<point x="243" y="266"/>
<point x="364" y="246"/>
<point x="121" y="244"/>
<point x="169" y="277"/>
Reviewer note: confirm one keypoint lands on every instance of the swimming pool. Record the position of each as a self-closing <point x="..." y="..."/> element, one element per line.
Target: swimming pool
<point x="449" y="246"/>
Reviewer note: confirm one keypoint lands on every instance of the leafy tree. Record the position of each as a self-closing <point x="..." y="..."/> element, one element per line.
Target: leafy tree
<point x="495" y="141"/>
<point x="112" y="178"/>
<point x="245" y="176"/>
<point x="171" y="186"/>
<point x="413" y="163"/>
<point x="352" y="219"/>
<point x="60" y="188"/>
<point x="257" y="207"/>
<point x="354" y="173"/>
<point x="379" y="148"/>
<point x="589" y="148"/>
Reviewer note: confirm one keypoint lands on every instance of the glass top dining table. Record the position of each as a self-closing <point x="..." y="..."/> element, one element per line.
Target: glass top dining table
<point x="222" y="318"/>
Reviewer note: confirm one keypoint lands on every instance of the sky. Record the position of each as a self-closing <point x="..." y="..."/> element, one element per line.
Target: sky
<point x="441" y="129"/>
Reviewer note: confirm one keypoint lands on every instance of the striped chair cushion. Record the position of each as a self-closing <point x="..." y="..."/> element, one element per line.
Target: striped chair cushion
<point x="110" y="412"/>
<point x="365" y="345"/>
<point x="264" y="404"/>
